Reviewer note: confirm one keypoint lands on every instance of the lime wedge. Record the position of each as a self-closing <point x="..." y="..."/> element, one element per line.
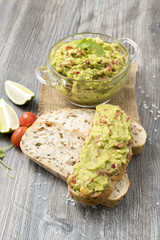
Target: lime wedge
<point x="17" y="93"/>
<point x="8" y="118"/>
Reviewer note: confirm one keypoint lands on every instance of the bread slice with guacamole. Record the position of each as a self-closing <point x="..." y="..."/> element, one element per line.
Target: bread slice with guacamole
<point x="104" y="156"/>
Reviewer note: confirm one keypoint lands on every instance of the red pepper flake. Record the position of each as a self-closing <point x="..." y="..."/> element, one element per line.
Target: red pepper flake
<point x="115" y="62"/>
<point x="110" y="132"/>
<point x="76" y="72"/>
<point x="105" y="109"/>
<point x="87" y="61"/>
<point x="80" y="52"/>
<point x="71" y="61"/>
<point x="102" y="119"/>
<point x="102" y="79"/>
<point x="118" y="112"/>
<point x="108" y="67"/>
<point x="127" y="119"/>
<point x="73" y="180"/>
<point x="97" y="140"/>
<point x="68" y="47"/>
<point x="120" y="145"/>
<point x="89" y="180"/>
<point x="113" y="165"/>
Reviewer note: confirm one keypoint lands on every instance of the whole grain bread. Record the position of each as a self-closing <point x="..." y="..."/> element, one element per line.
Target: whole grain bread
<point x="120" y="190"/>
<point x="52" y="147"/>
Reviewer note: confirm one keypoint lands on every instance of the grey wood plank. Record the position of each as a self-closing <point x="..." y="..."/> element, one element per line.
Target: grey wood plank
<point x="35" y="204"/>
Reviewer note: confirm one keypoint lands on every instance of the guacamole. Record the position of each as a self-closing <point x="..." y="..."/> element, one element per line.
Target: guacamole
<point x="89" y="65"/>
<point x="105" y="149"/>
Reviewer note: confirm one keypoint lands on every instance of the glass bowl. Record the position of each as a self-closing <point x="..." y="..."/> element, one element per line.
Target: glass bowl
<point x="90" y="92"/>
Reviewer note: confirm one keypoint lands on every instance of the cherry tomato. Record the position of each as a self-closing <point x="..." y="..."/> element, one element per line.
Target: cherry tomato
<point x="27" y="119"/>
<point x="17" y="135"/>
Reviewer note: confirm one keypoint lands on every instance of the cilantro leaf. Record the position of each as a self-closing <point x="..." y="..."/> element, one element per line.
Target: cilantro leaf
<point x="84" y="43"/>
<point x="91" y="45"/>
<point x="99" y="51"/>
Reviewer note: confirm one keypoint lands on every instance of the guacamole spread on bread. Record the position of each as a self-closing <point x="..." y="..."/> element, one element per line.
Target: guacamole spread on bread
<point x="104" y="151"/>
<point x="89" y="65"/>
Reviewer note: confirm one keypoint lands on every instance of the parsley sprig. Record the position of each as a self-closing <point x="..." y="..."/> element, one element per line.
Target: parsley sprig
<point x="91" y="45"/>
<point x="2" y="164"/>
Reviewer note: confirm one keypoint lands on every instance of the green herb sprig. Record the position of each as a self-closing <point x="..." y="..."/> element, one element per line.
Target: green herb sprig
<point x="2" y="164"/>
<point x="91" y="45"/>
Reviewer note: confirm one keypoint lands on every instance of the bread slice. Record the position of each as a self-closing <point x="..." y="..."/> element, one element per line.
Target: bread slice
<point x="81" y="119"/>
<point x="120" y="190"/>
<point x="52" y="147"/>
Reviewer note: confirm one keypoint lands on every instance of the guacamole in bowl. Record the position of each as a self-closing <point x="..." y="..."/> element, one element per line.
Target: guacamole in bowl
<point x="88" y="69"/>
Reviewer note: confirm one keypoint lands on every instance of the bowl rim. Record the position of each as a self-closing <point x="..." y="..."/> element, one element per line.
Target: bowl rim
<point x="99" y="80"/>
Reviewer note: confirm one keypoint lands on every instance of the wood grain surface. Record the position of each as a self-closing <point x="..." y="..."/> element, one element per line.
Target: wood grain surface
<point x="35" y="204"/>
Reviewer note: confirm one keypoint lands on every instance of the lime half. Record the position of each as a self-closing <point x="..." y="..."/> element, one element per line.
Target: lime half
<point x="17" y="93"/>
<point x="8" y="118"/>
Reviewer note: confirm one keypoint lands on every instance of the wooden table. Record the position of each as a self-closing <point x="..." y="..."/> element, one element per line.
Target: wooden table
<point x="35" y="204"/>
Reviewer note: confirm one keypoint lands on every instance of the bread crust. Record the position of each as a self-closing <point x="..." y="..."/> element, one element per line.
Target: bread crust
<point x="139" y="138"/>
<point x="116" y="198"/>
<point x="94" y="198"/>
